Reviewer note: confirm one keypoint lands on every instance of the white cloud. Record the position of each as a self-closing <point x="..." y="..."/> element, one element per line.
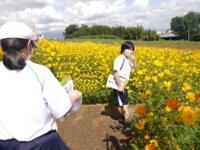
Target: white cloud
<point x="94" y="9"/>
<point x="161" y="17"/>
<point x="141" y="2"/>
<point x="46" y="16"/>
<point x="16" y="5"/>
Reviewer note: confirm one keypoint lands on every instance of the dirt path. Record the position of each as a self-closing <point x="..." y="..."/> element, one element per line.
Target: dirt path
<point x="95" y="127"/>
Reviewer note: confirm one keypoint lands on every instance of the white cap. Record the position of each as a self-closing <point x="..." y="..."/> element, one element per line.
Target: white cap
<point x="17" y="30"/>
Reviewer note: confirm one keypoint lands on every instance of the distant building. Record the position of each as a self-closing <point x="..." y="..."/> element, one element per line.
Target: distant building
<point x="159" y="32"/>
<point x="169" y="31"/>
<point x="168" y="35"/>
<point x="163" y="32"/>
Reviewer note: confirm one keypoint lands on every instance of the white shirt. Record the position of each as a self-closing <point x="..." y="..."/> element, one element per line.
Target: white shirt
<point x="126" y="69"/>
<point x="23" y="113"/>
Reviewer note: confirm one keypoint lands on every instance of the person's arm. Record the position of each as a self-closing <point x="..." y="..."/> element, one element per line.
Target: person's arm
<point x="134" y="63"/>
<point x="76" y="96"/>
<point x="59" y="102"/>
<point x="120" y="87"/>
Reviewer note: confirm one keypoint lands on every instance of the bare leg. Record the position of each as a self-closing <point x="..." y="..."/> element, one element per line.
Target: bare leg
<point x="126" y="114"/>
<point x="122" y="110"/>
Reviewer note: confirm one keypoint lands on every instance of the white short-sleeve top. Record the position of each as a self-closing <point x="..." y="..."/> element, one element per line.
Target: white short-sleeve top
<point x="23" y="114"/>
<point x="126" y="69"/>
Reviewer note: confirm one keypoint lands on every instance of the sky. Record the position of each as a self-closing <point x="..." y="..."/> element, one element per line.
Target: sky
<point x="56" y="15"/>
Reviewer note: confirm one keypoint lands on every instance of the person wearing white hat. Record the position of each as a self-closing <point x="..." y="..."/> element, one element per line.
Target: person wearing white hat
<point x="30" y="95"/>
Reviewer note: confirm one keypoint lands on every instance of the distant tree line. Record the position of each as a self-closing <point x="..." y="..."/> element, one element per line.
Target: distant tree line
<point x="190" y="22"/>
<point x="103" y="31"/>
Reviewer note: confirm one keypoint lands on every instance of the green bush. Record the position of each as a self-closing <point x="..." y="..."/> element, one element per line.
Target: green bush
<point x="97" y="37"/>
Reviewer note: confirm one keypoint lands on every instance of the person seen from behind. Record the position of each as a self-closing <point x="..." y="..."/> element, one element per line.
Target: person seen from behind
<point x="122" y="68"/>
<point x="31" y="96"/>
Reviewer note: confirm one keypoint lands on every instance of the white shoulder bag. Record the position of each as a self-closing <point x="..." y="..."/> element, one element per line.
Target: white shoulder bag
<point x="111" y="82"/>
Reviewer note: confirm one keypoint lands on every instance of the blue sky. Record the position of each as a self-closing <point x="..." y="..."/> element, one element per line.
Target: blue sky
<point x="56" y="15"/>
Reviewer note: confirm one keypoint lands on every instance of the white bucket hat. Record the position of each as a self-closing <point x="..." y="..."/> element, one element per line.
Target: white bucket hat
<point x="17" y="30"/>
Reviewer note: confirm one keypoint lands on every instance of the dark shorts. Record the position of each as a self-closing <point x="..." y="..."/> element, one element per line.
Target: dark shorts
<point x="48" y="141"/>
<point x="121" y="98"/>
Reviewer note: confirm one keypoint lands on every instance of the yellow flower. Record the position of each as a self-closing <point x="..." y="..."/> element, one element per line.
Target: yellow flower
<point x="154" y="142"/>
<point x="167" y="71"/>
<point x="127" y="87"/>
<point x="168" y="109"/>
<point x="161" y="74"/>
<point x="147" y="78"/>
<point x="164" y="138"/>
<point x="164" y="121"/>
<point x="176" y="148"/>
<point x="190" y="97"/>
<point x="143" y="95"/>
<point x="139" y="72"/>
<point x="197" y="109"/>
<point x="148" y="92"/>
<point x="50" y="59"/>
<point x="157" y="63"/>
<point x="49" y="65"/>
<point x="189" y="118"/>
<point x="154" y="70"/>
<point x="178" y="118"/>
<point x="180" y="108"/>
<point x="186" y="87"/>
<point x="150" y="115"/>
<point x="147" y="119"/>
<point x="155" y="79"/>
<point x="167" y="84"/>
<point x="146" y="137"/>
<point x="124" y="83"/>
<point x="140" y="125"/>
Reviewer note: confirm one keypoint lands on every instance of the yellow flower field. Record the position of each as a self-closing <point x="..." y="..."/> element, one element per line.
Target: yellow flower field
<point x="167" y="81"/>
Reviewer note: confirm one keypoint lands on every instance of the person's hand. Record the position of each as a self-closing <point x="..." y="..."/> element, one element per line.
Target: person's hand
<point x="76" y="95"/>
<point x="132" y="57"/>
<point x="120" y="89"/>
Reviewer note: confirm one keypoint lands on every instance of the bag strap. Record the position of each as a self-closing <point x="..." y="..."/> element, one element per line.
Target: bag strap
<point x="38" y="80"/>
<point x="36" y="77"/>
<point x="122" y="64"/>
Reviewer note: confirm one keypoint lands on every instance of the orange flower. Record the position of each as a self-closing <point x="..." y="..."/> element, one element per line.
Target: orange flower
<point x="187" y="108"/>
<point x="149" y="147"/>
<point x="197" y="95"/>
<point x="140" y="109"/>
<point x="151" y="108"/>
<point x="172" y="103"/>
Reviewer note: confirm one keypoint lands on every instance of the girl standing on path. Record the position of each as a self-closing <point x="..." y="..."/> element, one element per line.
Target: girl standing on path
<point x="122" y="68"/>
<point x="30" y="95"/>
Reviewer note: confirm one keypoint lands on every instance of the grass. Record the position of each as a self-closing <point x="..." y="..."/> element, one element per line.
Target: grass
<point x="135" y="42"/>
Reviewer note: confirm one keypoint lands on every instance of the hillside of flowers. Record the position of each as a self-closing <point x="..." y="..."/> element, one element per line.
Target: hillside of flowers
<point x="166" y="88"/>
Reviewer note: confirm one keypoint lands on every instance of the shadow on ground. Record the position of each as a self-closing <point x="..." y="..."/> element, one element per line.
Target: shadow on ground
<point x="95" y="127"/>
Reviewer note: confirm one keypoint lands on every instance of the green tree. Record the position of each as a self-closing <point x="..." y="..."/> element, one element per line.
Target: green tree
<point x="70" y="30"/>
<point x="192" y="22"/>
<point x="178" y="27"/>
<point x="103" y="31"/>
<point x="73" y="35"/>
<point x="83" y="30"/>
<point x="181" y="25"/>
